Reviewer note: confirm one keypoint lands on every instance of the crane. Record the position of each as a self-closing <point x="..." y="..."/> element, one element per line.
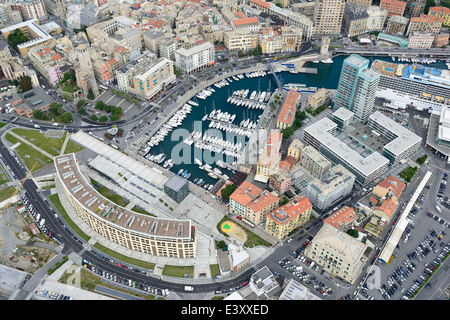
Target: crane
<point x="18" y="188"/>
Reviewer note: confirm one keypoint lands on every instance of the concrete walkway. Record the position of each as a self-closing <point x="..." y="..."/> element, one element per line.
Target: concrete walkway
<point x="63" y="148"/>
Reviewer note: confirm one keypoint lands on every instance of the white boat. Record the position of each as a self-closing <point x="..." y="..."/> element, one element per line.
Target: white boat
<point x="197" y="161"/>
<point x="329" y="60"/>
<point x="217" y="171"/>
<point x="253" y="94"/>
<point x="212" y="175"/>
<point x="246" y="123"/>
<point x="195" y="104"/>
<point x="262" y="96"/>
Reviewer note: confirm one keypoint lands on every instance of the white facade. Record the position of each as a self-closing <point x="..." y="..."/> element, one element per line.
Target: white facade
<point x="195" y="58"/>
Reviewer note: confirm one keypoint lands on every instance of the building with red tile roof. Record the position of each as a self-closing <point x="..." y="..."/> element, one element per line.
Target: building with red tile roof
<point x="242" y="196"/>
<point x="442" y="12"/>
<point x="342" y="218"/>
<point x="285" y="219"/>
<point x="287" y="114"/>
<point x="390" y="187"/>
<point x="425" y="23"/>
<point x="394" y="7"/>
<point x="386" y="209"/>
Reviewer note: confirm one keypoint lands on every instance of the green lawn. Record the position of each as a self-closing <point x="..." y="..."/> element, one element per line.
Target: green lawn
<point x="107" y="193"/>
<point x="140" y="210"/>
<point x="54" y="198"/>
<point x="178" y="271"/>
<point x="48" y="144"/>
<point x="72" y="147"/>
<point x="123" y="258"/>
<point x="29" y="154"/>
<point x="7" y="193"/>
<point x="3" y="177"/>
<point x="70" y="88"/>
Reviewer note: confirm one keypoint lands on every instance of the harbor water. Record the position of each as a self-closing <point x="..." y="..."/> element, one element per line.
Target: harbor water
<point x="173" y="146"/>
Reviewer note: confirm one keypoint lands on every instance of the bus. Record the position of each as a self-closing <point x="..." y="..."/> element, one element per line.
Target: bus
<point x="114" y="146"/>
<point x="103" y="87"/>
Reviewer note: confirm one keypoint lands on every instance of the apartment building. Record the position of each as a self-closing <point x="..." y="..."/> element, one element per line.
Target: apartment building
<point x="149" y="82"/>
<point x="403" y="142"/>
<point x="48" y="62"/>
<point x="441" y="12"/>
<point x="338" y="253"/>
<point x="195" y="58"/>
<point x="397" y="25"/>
<point x="342" y="117"/>
<point x="394" y="7"/>
<point x="334" y="186"/>
<point x="286" y="116"/>
<point x="258" y="208"/>
<point x="126" y="73"/>
<point x="269" y="158"/>
<point x="288" y="217"/>
<point x="29" y="9"/>
<point x="131" y="230"/>
<point x="240" y="40"/>
<point x="152" y="38"/>
<point x="342" y="219"/>
<point x="320" y="135"/>
<point x="416" y="7"/>
<point x="425" y="23"/>
<point x="321" y="97"/>
<point x="242" y="196"/>
<point x="314" y="162"/>
<point x="391" y="188"/>
<point x="421" y="40"/>
<point x="295" y="149"/>
<point x="328" y="16"/>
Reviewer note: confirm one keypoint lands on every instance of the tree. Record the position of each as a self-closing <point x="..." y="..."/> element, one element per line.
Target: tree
<point x="227" y="191"/>
<point x="117" y="110"/>
<point x="56" y="108"/>
<point x="80" y="103"/>
<point x="354" y="233"/>
<point x="66" y="117"/>
<point x="109" y="108"/>
<point x="25" y="83"/>
<point x="115" y="117"/>
<point x="103" y="119"/>
<point x="90" y="94"/>
<point x="100" y="105"/>
<point x="67" y="97"/>
<point x="39" y="114"/>
<point x="82" y="111"/>
<point x="93" y="117"/>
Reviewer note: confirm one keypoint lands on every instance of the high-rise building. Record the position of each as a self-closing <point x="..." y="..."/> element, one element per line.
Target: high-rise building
<point x="357" y="87"/>
<point x="328" y="15"/>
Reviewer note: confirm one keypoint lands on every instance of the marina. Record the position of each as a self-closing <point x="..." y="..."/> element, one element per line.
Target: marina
<point x="196" y="111"/>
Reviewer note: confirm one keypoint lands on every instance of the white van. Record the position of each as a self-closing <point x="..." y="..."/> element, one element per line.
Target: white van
<point x="37" y="126"/>
<point x="55" y="124"/>
<point x="438" y="209"/>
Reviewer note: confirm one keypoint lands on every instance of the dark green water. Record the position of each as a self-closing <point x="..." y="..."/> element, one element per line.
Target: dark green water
<point x="327" y="77"/>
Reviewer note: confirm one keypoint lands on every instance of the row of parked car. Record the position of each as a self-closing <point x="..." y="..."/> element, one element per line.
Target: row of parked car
<point x="429" y="268"/>
<point x="54" y="295"/>
<point x="128" y="282"/>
